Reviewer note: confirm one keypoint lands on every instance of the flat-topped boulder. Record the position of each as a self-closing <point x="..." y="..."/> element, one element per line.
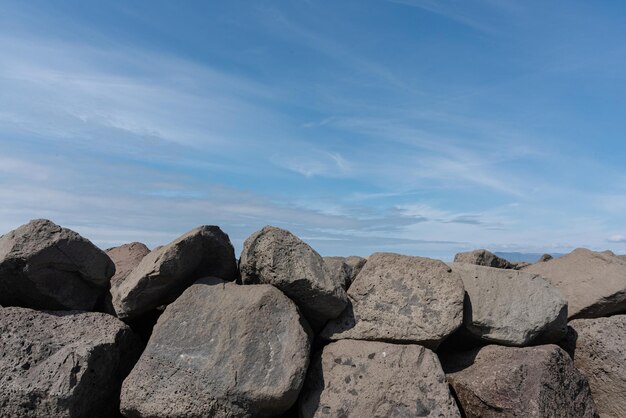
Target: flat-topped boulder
<point x="277" y="257"/>
<point x="511" y="307"/>
<point x="163" y="274"/>
<point x="600" y="354"/>
<point x="63" y="363"/>
<point x="483" y="257"/>
<point x="221" y="349"/>
<point x="593" y="283"/>
<point x="45" y="266"/>
<point x="374" y="379"/>
<point x="497" y="381"/>
<point x="403" y="299"/>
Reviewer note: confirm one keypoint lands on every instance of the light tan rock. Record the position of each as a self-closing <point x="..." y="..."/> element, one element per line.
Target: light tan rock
<point x="401" y="298"/>
<point x="373" y="379"/>
<point x="125" y="257"/>
<point x="594" y="284"/>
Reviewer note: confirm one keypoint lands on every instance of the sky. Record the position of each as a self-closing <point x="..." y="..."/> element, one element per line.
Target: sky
<point x="420" y="127"/>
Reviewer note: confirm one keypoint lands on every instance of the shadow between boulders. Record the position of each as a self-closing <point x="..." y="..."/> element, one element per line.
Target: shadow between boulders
<point x="569" y="342"/>
<point x="144" y="324"/>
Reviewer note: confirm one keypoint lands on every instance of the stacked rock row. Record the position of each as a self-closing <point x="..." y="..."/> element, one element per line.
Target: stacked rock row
<point x="185" y="331"/>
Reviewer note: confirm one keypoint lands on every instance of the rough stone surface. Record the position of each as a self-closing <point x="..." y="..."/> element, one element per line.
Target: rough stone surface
<point x="594" y="284"/>
<point x="403" y="299"/>
<point x="338" y="270"/>
<point x="511" y="307"/>
<point x="164" y="274"/>
<point x="277" y="257"/>
<point x="374" y="379"/>
<point x="45" y="266"/>
<point x="344" y="270"/>
<point x="540" y="381"/>
<point x="600" y="355"/>
<point x="125" y="257"/>
<point x="63" y="364"/>
<point x="221" y="350"/>
<point x="483" y="258"/>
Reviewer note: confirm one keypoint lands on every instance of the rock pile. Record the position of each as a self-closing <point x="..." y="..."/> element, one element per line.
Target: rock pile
<point x="286" y="333"/>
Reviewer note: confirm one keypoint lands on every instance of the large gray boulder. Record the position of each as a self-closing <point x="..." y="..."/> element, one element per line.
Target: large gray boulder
<point x="125" y="257"/>
<point x="594" y="284"/>
<point x="402" y="299"/>
<point x="45" y="266"/>
<point x="277" y="257"/>
<point x="483" y="258"/>
<point x="511" y="307"/>
<point x="497" y="381"/>
<point x="222" y="350"/>
<point x="601" y="355"/>
<point x="164" y="274"/>
<point x="63" y="364"/>
<point x="374" y="379"/>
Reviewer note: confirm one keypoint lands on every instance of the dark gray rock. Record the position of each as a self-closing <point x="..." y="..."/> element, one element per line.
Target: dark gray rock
<point x="63" y="364"/>
<point x="484" y="258"/>
<point x="277" y="257"/>
<point x="403" y="299"/>
<point x="373" y="379"/>
<point x="164" y="274"/>
<point x="221" y="350"/>
<point x="511" y="307"/>
<point x="496" y="381"/>
<point x="600" y="354"/>
<point x="593" y="283"/>
<point x="45" y="266"/>
<point x="544" y="258"/>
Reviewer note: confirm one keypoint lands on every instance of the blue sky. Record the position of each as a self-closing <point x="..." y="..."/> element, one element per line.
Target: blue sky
<point x="419" y="127"/>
